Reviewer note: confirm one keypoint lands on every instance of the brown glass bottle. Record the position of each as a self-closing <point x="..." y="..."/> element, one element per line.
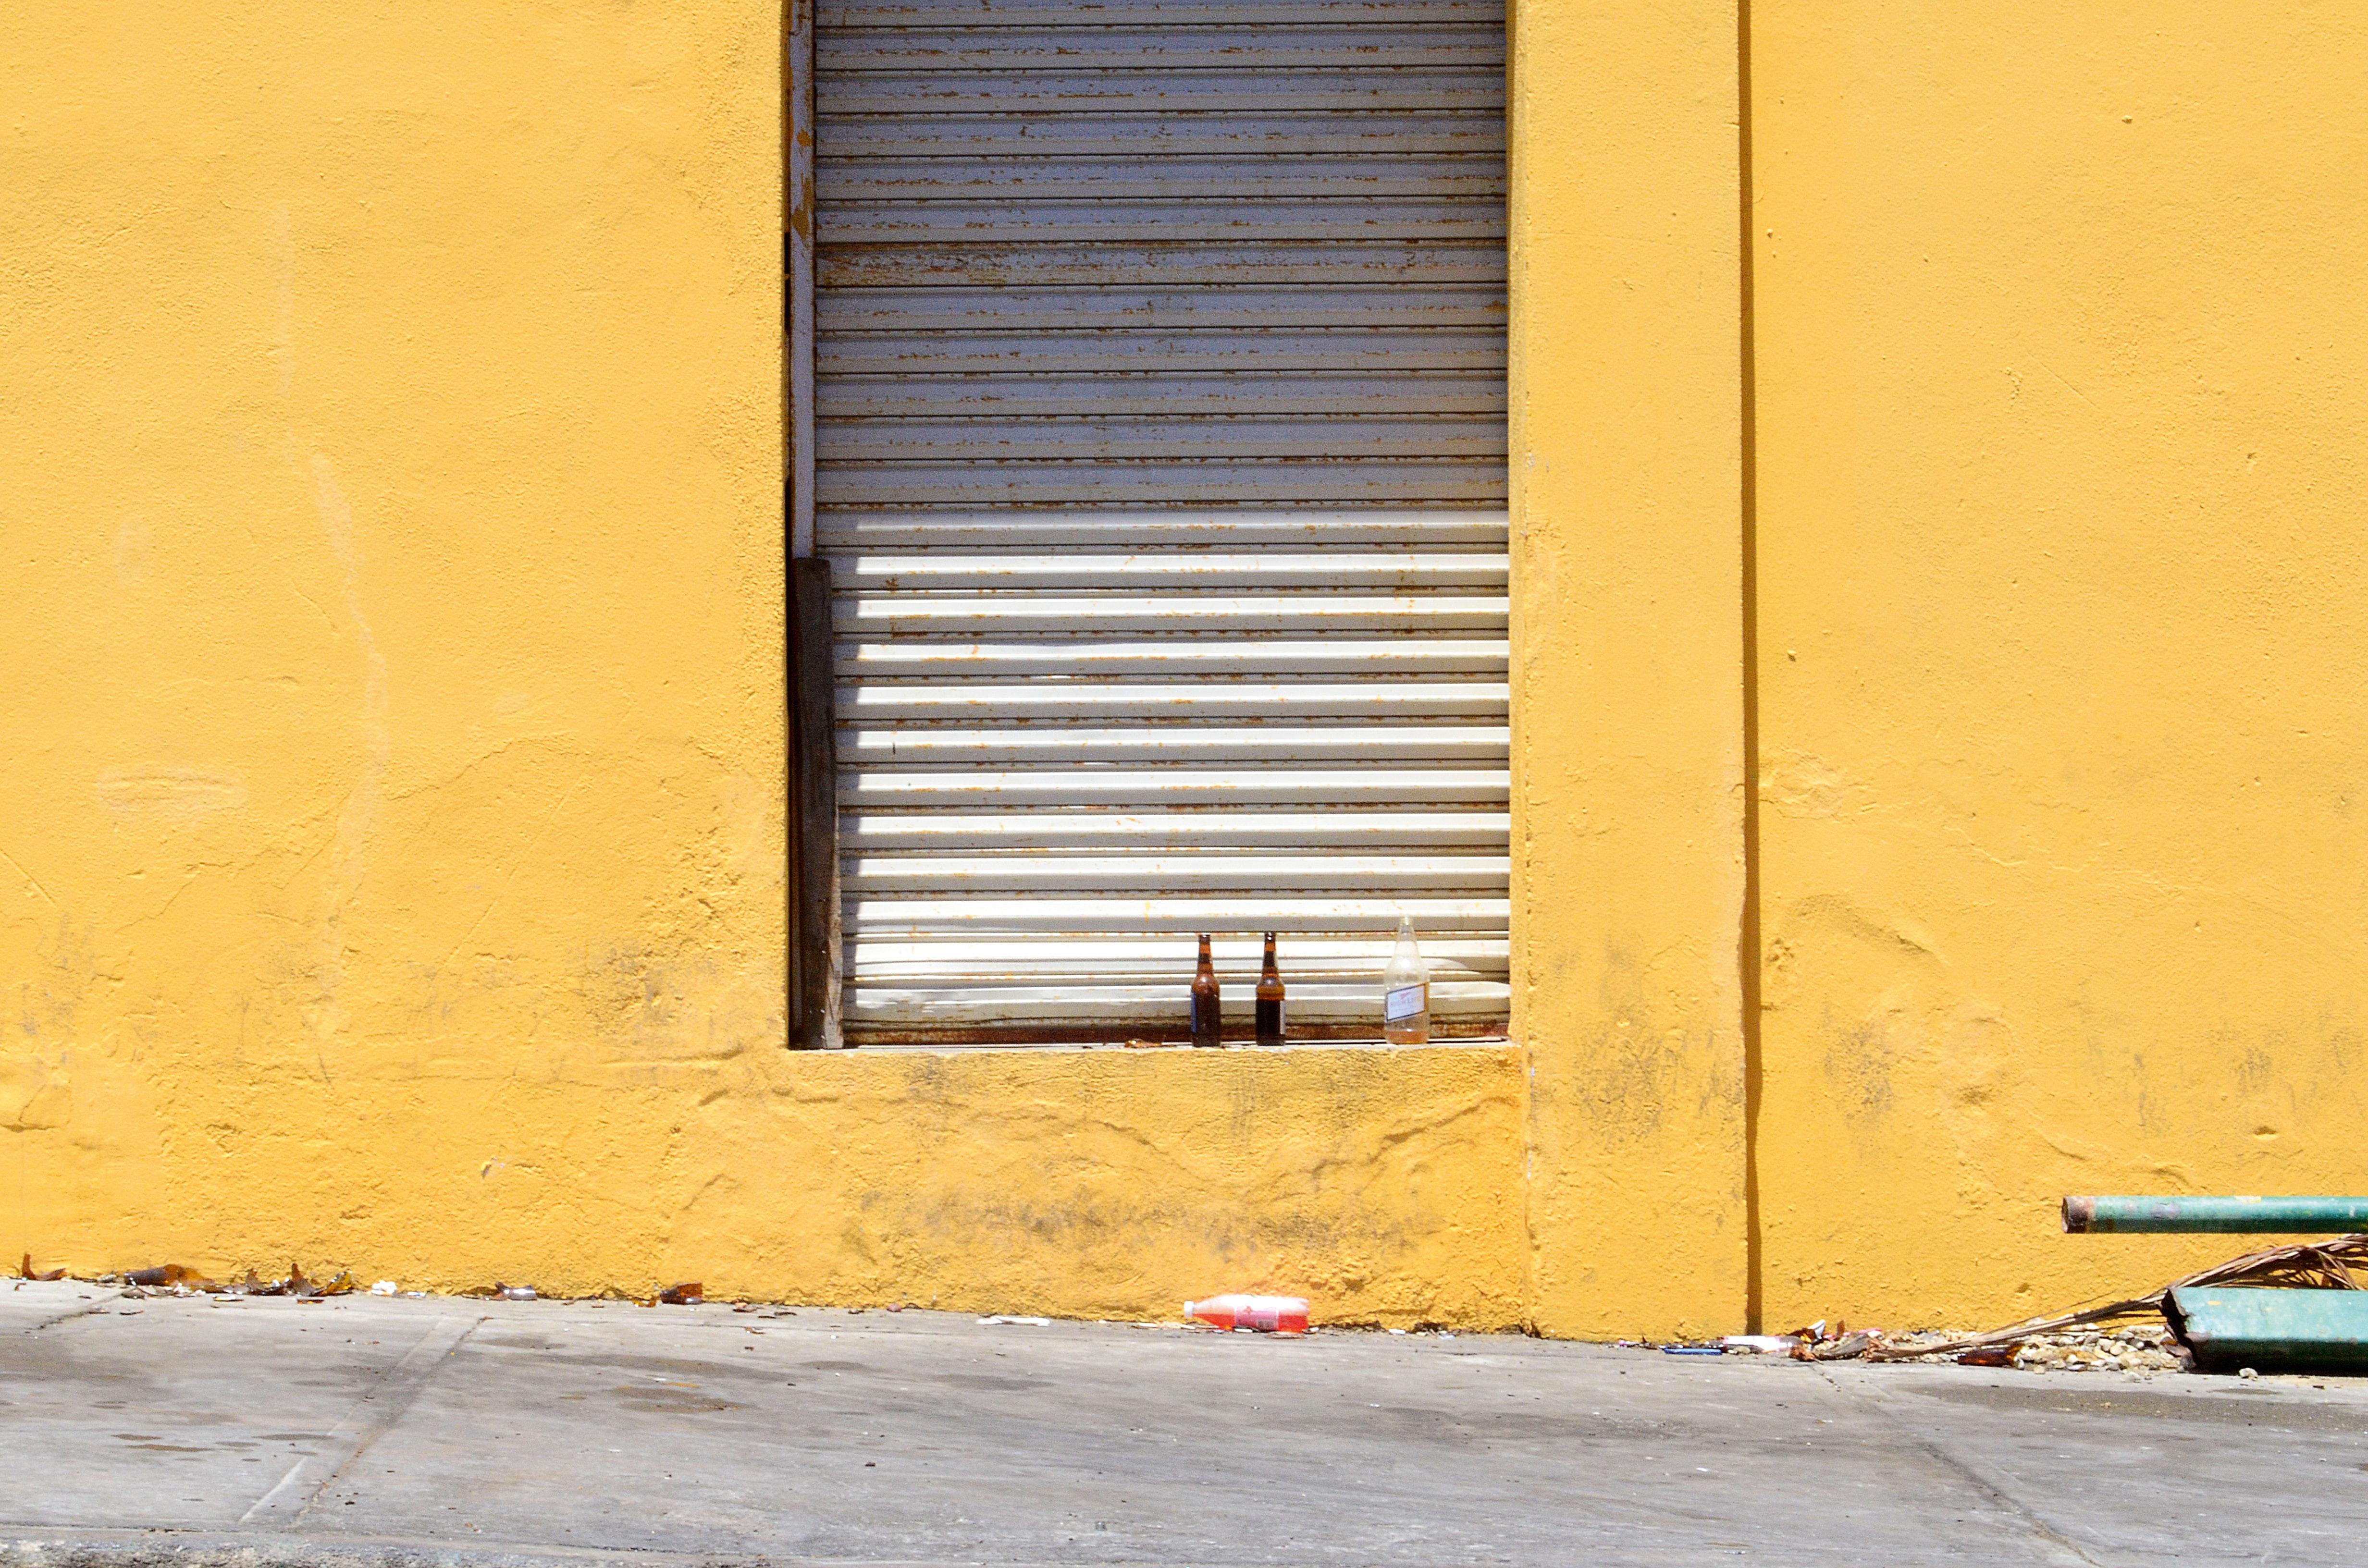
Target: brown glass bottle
<point x="1207" y="1027"/>
<point x="1269" y="998"/>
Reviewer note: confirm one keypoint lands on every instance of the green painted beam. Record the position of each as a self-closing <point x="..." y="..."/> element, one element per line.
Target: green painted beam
<point x="2263" y="1216"/>
<point x="2271" y="1331"/>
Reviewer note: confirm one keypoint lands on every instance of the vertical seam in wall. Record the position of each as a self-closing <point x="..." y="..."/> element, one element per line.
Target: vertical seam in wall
<point x="1517" y="851"/>
<point x="1747" y="937"/>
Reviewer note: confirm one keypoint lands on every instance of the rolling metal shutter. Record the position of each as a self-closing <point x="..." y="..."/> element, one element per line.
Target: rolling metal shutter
<point x="1160" y="456"/>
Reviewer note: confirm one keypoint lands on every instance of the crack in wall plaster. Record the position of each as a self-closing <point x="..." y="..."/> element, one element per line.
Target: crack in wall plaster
<point x="350" y="848"/>
<point x="349" y="845"/>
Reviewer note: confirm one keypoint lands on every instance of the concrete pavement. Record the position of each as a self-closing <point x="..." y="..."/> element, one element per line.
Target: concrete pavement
<point x="381" y="1431"/>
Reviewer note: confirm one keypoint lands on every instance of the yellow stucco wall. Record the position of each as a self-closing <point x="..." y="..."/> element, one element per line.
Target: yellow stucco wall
<point x="2064" y="602"/>
<point x="390" y="536"/>
<point x="1627" y="635"/>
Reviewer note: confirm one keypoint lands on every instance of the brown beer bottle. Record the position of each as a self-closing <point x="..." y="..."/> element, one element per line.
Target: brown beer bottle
<point x="1269" y="998"/>
<point x="1207" y="1027"/>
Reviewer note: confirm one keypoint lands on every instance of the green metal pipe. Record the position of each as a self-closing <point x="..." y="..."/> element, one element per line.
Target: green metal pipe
<point x="2271" y="1331"/>
<point x="2287" y="1216"/>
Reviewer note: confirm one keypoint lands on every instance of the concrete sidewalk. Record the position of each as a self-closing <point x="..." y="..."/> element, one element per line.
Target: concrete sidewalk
<point x="375" y="1431"/>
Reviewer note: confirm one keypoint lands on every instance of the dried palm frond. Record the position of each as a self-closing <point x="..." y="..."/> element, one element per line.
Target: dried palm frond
<point x="2309" y="1266"/>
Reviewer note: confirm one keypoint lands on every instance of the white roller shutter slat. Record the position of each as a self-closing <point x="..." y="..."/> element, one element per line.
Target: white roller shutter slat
<point x="1177" y="396"/>
<point x="1058" y="914"/>
<point x="1151" y="436"/>
<point x="923" y="614"/>
<point x="1296" y="133"/>
<point x="995" y="701"/>
<point x="1184" y="744"/>
<point x="1281" y="305"/>
<point x="1456" y="1008"/>
<point x="974" y="570"/>
<point x="978" y="789"/>
<point x="838" y="15"/>
<point x="1230" y="527"/>
<point x="1083" y="482"/>
<point x="1202" y="869"/>
<point x="1257" y="654"/>
<point x="1149" y="219"/>
<point x="1379" y="348"/>
<point x="1241" y="828"/>
<point x="1209" y="261"/>
<point x="1078" y="176"/>
<point x="1154" y="89"/>
<point x="1169" y="47"/>
<point x="1161" y="457"/>
<point x="1148" y="959"/>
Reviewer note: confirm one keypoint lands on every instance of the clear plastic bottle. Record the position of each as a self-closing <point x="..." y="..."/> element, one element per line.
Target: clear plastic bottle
<point x="1406" y="992"/>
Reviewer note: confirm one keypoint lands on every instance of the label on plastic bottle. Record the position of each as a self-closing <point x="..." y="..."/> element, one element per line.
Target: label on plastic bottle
<point x="1403" y="1002"/>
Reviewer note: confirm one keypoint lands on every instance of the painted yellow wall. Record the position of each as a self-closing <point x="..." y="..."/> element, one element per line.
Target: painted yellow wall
<point x="390" y="537"/>
<point x="391" y="481"/>
<point x="1627" y="635"/>
<point x="2064" y="634"/>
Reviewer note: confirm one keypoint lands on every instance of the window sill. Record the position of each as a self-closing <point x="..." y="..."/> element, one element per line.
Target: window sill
<point x="1146" y="1048"/>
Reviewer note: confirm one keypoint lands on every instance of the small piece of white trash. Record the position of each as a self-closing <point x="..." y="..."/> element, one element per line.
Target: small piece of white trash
<point x="386" y="1287"/>
<point x="1031" y="1323"/>
<point x="2247" y="1373"/>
